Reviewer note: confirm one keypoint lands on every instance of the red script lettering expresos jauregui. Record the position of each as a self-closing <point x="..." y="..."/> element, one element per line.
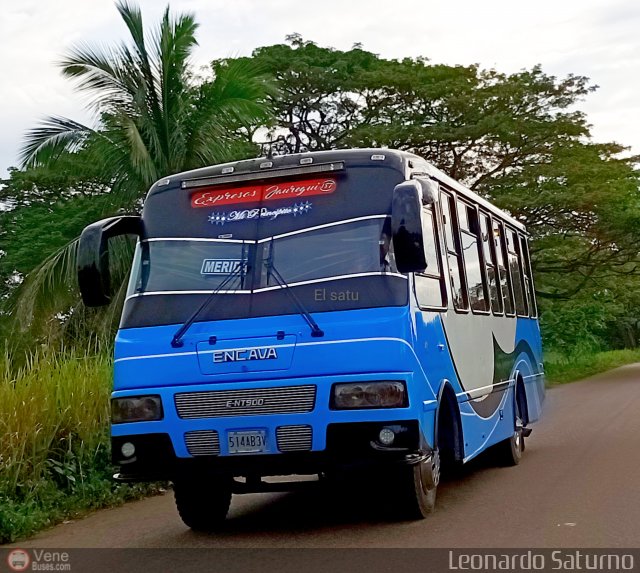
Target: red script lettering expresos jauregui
<point x="268" y="192"/>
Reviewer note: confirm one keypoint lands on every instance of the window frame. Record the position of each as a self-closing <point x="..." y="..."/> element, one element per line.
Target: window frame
<point x="524" y="246"/>
<point x="451" y="197"/>
<point x="485" y="287"/>
<point x="494" y="263"/>
<point x="518" y="254"/>
<point x="435" y="212"/>
<point x="505" y="263"/>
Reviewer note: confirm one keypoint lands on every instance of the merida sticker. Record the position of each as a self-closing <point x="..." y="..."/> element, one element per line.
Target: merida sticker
<point x="220" y="266"/>
<point x="297" y="209"/>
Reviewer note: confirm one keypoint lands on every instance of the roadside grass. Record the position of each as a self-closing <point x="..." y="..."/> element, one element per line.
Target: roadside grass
<point x="563" y="368"/>
<point x="54" y="434"/>
<point x="54" y="442"/>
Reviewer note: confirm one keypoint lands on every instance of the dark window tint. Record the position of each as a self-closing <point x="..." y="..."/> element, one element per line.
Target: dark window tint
<point x="429" y="285"/>
<point x="503" y="264"/>
<point x="489" y="251"/>
<point x="515" y="266"/>
<point x="338" y="250"/>
<point x="471" y="254"/>
<point x="528" y="278"/>
<point x="456" y="277"/>
<point x="187" y="266"/>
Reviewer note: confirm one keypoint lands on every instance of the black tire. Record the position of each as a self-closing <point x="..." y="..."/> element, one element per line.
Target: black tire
<point x="203" y="504"/>
<point x="509" y="451"/>
<point x="417" y="487"/>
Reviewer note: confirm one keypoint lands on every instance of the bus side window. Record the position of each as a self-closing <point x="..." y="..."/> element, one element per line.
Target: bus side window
<point x="493" y="274"/>
<point x="503" y="265"/>
<point x="528" y="278"/>
<point x="469" y="233"/>
<point x="429" y="285"/>
<point x="456" y="271"/>
<point x="515" y="266"/>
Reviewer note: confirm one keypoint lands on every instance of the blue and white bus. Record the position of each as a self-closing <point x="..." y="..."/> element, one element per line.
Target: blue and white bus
<point x="311" y="313"/>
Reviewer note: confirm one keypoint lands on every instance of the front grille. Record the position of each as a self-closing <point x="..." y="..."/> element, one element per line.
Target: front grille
<point x="294" y="438"/>
<point x="221" y="403"/>
<point x="203" y="443"/>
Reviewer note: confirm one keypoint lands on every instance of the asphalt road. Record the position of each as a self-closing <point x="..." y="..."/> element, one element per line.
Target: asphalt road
<point x="578" y="485"/>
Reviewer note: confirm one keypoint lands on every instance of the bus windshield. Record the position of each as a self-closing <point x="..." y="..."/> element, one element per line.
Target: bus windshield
<point x="337" y="250"/>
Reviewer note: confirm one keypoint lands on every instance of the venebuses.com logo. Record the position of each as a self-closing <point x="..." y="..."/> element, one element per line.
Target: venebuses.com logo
<point x="38" y="560"/>
<point x="18" y="560"/>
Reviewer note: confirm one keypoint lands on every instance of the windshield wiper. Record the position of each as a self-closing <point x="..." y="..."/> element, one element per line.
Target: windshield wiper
<point x="316" y="331"/>
<point x="239" y="272"/>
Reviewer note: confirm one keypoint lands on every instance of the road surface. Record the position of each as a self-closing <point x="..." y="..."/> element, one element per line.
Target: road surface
<point x="578" y="485"/>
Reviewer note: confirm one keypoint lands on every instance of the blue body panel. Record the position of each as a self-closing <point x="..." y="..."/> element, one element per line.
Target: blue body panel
<point x="395" y="343"/>
<point x="478" y="356"/>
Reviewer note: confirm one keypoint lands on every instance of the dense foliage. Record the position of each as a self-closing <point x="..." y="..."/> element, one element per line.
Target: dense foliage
<point x="517" y="139"/>
<point x="154" y="116"/>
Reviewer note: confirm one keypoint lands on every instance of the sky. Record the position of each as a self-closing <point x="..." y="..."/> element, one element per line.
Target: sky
<point x="595" y="38"/>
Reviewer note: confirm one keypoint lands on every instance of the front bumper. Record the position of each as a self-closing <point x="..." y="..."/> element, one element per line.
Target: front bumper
<point x="348" y="446"/>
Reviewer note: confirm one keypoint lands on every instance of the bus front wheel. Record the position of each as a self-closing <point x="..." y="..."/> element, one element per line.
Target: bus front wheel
<point x="202" y="504"/>
<point x="418" y="487"/>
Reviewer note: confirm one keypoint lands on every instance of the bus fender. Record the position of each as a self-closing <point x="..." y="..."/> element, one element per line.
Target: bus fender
<point x="448" y="413"/>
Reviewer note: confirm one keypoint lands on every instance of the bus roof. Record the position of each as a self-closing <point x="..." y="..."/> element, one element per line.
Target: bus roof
<point x="258" y="168"/>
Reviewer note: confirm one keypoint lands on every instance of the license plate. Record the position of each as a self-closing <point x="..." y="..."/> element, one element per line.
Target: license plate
<point x="247" y="442"/>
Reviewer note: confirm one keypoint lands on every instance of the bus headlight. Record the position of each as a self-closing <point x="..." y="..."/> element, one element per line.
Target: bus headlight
<point x="386" y="394"/>
<point x="136" y="409"/>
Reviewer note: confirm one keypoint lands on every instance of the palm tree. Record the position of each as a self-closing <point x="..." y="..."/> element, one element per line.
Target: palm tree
<point x="154" y="117"/>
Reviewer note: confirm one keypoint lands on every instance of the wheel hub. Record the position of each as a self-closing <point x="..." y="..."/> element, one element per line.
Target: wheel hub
<point x="430" y="471"/>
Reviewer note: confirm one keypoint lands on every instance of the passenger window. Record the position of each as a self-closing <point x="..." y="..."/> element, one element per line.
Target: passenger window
<point x="528" y="278"/>
<point x="429" y="285"/>
<point x="515" y="268"/>
<point x="463" y="220"/>
<point x="469" y="228"/>
<point x="490" y="261"/>
<point x="499" y="241"/>
<point x="456" y="277"/>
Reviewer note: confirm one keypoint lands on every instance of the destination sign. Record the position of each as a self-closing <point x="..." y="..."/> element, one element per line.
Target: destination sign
<point x="267" y="192"/>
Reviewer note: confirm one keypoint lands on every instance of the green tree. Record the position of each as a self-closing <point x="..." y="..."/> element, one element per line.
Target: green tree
<point x="154" y="116"/>
<point x="321" y="93"/>
<point x="518" y="139"/>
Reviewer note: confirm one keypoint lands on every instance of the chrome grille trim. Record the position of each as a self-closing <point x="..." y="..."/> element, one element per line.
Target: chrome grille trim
<point x="203" y="443"/>
<point x="294" y="438"/>
<point x="214" y="403"/>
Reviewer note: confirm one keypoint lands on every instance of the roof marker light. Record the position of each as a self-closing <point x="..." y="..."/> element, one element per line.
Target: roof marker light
<point x="164" y="182"/>
<point x="226" y="170"/>
<point x="266" y="165"/>
<point x="377" y="157"/>
<point x="306" y="160"/>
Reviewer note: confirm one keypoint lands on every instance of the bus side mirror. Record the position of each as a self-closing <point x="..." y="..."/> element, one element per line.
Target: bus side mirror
<point x="94" y="278"/>
<point x="430" y="190"/>
<point x="406" y="227"/>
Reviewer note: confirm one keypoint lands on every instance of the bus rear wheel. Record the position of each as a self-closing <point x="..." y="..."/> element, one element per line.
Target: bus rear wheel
<point x="203" y="504"/>
<point x="509" y="451"/>
<point x="417" y="488"/>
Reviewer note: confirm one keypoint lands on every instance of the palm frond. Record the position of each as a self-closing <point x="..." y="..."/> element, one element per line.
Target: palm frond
<point x="154" y="118"/>
<point x="52" y="287"/>
<point x="241" y="87"/>
<point x="100" y="73"/>
<point x="47" y="286"/>
<point x="237" y="97"/>
<point x="54" y="136"/>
